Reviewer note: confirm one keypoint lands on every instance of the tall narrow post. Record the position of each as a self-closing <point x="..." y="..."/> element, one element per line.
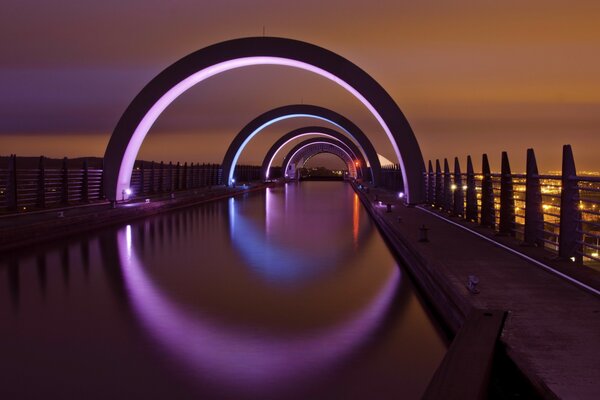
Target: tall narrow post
<point x="141" y="190"/>
<point x="534" y="217"/>
<point x="471" y="212"/>
<point x="161" y="177"/>
<point x="439" y="201"/>
<point x="507" y="202"/>
<point x="459" y="200"/>
<point x="185" y="176"/>
<point x="85" y="182"/>
<point x="447" y="186"/>
<point x="41" y="184"/>
<point x="430" y="184"/>
<point x="65" y="182"/>
<point x="152" y="177"/>
<point x="488" y="216"/>
<point x="178" y="176"/>
<point x="570" y="216"/>
<point x="11" y="184"/>
<point x="170" y="175"/>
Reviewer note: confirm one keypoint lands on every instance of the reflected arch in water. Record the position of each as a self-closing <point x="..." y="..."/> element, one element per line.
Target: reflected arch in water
<point x="305" y="150"/>
<point x="162" y="90"/>
<point x="203" y="344"/>
<point x="312" y="130"/>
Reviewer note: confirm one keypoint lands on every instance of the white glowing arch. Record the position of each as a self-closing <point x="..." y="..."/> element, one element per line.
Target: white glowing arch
<point x="305" y="146"/>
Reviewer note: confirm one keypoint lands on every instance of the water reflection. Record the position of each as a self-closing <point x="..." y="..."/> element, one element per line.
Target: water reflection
<point x="286" y="294"/>
<point x="232" y="355"/>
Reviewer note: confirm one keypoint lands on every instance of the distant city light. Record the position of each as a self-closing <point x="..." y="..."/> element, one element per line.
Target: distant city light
<point x="464" y="187"/>
<point x="453" y="187"/>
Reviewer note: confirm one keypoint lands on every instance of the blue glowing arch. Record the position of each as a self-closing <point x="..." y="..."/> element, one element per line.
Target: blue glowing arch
<point x="313" y="130"/>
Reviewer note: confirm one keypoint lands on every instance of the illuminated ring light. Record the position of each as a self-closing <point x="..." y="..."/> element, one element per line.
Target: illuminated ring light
<point x="198" y="341"/>
<point x="161" y="91"/>
<point x="303" y="151"/>
<point x="312" y="130"/>
<point x="299" y="111"/>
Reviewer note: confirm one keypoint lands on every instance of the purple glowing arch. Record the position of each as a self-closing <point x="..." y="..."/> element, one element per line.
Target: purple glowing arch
<point x="313" y="130"/>
<point x="303" y="151"/>
<point x="161" y="91"/>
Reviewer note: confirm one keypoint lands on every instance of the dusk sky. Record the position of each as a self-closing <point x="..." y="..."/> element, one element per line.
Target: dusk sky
<point x="470" y="76"/>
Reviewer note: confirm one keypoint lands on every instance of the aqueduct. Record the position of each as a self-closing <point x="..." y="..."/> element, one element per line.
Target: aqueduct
<point x="192" y="69"/>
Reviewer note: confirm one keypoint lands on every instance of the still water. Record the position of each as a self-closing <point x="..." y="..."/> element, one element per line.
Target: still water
<point x="290" y="293"/>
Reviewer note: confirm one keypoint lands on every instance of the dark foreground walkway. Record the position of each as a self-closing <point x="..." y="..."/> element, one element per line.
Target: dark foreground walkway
<point x="552" y="331"/>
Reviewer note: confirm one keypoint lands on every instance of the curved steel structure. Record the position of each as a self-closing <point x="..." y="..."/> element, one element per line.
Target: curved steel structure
<point x="298" y="111"/>
<point x="306" y="149"/>
<point x="161" y="91"/>
<point x="313" y="130"/>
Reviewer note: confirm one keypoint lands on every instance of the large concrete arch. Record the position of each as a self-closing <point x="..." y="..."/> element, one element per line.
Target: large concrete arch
<point x="306" y="149"/>
<point x="161" y="91"/>
<point x="312" y="130"/>
<point x="298" y="111"/>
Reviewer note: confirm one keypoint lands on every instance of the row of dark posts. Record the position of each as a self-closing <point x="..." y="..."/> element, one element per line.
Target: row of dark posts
<point x="446" y="191"/>
<point x="160" y="178"/>
<point x="12" y="184"/>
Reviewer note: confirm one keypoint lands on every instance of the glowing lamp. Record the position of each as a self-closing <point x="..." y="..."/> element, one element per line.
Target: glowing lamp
<point x="453" y="187"/>
<point x="401" y="195"/>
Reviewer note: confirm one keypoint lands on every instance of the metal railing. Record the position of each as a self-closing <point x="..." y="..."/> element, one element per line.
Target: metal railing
<point x="560" y="213"/>
<point x="27" y="188"/>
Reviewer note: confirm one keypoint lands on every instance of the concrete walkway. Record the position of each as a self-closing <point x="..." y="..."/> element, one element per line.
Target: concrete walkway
<point x="552" y="331"/>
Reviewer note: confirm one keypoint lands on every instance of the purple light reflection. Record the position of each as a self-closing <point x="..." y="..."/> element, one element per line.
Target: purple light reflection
<point x="234" y="357"/>
<point x="152" y="115"/>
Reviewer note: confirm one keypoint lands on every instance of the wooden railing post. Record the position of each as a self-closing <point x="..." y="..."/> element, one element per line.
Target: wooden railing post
<point x="534" y="215"/>
<point x="439" y="201"/>
<point x="85" y="182"/>
<point x="161" y="177"/>
<point x="507" y="202"/>
<point x="459" y="199"/>
<point x="471" y="212"/>
<point x="65" y="182"/>
<point x="41" y="184"/>
<point x="488" y="214"/>
<point x="11" y="184"/>
<point x="447" y="186"/>
<point x="570" y="216"/>
<point x="430" y="184"/>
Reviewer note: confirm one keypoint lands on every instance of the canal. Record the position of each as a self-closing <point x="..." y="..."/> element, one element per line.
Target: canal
<point x="287" y="293"/>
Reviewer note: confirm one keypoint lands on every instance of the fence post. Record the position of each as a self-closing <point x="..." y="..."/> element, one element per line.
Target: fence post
<point x="439" y="201"/>
<point x="161" y="177"/>
<point x="459" y="199"/>
<point x="170" y="175"/>
<point x="41" y="184"/>
<point x="488" y="214"/>
<point x="85" y="182"/>
<point x="11" y="184"/>
<point x="65" y="182"/>
<point x="152" y="177"/>
<point x="447" y="186"/>
<point x="185" y="176"/>
<point x="569" y="237"/>
<point x="141" y="189"/>
<point x="507" y="202"/>
<point x="534" y="216"/>
<point x="471" y="212"/>
<point x="430" y="185"/>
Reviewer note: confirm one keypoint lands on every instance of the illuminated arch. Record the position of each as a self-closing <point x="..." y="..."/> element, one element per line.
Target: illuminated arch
<point x="312" y="130"/>
<point x="306" y="149"/>
<point x="298" y="111"/>
<point x="161" y="91"/>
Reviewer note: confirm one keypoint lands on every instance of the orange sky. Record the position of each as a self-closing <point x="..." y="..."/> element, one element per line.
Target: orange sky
<point x="471" y="77"/>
